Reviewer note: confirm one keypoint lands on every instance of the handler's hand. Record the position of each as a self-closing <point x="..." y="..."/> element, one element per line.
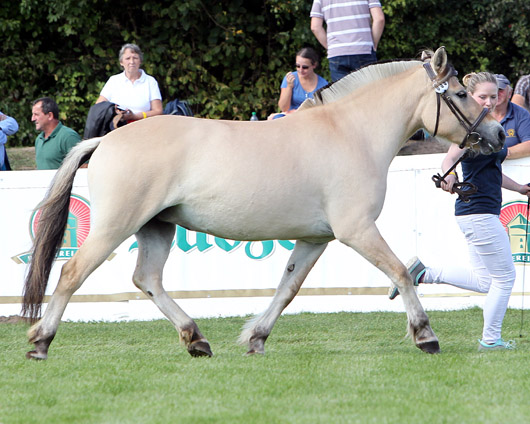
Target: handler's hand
<point x="448" y="185"/>
<point x="525" y="189"/>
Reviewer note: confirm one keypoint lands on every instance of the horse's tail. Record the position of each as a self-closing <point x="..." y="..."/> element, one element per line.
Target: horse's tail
<point x="51" y="226"/>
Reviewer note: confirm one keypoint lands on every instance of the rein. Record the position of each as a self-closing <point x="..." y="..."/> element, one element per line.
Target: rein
<point x="463" y="189"/>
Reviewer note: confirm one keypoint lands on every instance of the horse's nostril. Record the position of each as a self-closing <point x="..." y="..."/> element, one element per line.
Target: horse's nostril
<point x="502" y="136"/>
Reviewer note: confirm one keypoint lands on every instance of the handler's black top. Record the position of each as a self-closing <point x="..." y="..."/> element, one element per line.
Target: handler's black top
<point x="485" y="171"/>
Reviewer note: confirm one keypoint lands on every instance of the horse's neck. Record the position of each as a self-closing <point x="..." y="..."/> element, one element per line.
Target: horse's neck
<point x="382" y="115"/>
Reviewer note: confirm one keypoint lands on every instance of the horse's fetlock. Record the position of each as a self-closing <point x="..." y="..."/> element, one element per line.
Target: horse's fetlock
<point x="190" y="334"/>
<point x="259" y="334"/>
<point x="36" y="333"/>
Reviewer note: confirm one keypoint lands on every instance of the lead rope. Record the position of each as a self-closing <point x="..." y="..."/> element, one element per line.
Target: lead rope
<point x="524" y="266"/>
<point x="464" y="189"/>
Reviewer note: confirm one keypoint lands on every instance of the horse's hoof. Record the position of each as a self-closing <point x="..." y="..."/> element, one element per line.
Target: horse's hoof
<point x="36" y="355"/>
<point x="256" y="345"/>
<point x="431" y="347"/>
<point x="253" y="352"/>
<point x="200" y="348"/>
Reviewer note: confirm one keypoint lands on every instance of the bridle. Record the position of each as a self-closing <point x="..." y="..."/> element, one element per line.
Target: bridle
<point x="463" y="189"/>
<point x="440" y="87"/>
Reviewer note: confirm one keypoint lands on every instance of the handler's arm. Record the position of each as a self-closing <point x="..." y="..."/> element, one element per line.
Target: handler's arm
<point x="510" y="184"/>
<point x="453" y="154"/>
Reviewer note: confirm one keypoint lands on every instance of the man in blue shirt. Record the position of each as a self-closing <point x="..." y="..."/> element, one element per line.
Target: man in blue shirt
<point x="514" y="119"/>
<point x="8" y="126"/>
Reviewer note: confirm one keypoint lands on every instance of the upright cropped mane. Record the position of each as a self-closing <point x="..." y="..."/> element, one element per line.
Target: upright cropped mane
<point x="358" y="79"/>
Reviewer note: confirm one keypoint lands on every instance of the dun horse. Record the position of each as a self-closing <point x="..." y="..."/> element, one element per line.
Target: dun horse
<point x="298" y="178"/>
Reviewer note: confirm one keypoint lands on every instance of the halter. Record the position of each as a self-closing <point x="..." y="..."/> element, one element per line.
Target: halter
<point x="463" y="189"/>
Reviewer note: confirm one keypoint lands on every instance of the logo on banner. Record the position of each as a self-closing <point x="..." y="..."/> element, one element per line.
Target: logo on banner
<point x="257" y="250"/>
<point x="514" y="219"/>
<point x="77" y="229"/>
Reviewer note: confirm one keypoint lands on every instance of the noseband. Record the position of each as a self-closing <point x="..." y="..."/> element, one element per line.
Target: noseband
<point x="463" y="189"/>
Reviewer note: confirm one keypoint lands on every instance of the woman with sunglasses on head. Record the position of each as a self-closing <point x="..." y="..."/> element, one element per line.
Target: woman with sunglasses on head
<point x="300" y="85"/>
<point x="492" y="270"/>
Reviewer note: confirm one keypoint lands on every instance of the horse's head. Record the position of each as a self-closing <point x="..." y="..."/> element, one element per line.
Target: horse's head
<point x="453" y="113"/>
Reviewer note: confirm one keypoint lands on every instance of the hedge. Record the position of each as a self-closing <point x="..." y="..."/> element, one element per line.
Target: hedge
<point x="226" y="57"/>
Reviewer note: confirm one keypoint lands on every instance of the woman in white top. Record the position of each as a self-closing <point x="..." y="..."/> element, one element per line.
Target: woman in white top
<point x="135" y="93"/>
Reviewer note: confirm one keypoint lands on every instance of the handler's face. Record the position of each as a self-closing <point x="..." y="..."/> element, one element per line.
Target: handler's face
<point x="486" y="95"/>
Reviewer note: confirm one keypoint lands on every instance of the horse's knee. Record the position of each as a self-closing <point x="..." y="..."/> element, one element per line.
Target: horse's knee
<point x="402" y="277"/>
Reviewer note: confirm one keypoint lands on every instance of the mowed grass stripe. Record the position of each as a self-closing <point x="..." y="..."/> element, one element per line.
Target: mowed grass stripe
<point x="319" y="368"/>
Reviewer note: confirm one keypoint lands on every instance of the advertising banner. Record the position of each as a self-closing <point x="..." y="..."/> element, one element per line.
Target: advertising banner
<point x="211" y="276"/>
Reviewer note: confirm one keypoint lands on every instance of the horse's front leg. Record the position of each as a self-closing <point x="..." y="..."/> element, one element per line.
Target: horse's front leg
<point x="367" y="240"/>
<point x="302" y="259"/>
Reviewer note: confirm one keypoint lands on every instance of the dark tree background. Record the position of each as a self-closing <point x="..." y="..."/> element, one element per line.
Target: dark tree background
<point x="226" y="57"/>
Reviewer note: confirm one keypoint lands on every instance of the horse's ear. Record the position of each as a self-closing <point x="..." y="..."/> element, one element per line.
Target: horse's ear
<point x="439" y="60"/>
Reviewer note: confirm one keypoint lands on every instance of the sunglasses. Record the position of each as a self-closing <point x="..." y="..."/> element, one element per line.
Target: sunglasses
<point x="304" y="67"/>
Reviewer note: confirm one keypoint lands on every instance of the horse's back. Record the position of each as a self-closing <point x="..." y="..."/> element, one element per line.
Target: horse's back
<point x="220" y="177"/>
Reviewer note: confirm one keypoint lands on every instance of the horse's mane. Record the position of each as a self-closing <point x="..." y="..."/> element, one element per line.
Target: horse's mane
<point x="357" y="79"/>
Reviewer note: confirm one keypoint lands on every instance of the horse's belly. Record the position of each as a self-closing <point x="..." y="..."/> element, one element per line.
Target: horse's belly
<point x="249" y="225"/>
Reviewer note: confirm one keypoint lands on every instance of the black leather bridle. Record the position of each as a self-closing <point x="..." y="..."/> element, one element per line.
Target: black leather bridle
<point x="440" y="87"/>
<point x="463" y="189"/>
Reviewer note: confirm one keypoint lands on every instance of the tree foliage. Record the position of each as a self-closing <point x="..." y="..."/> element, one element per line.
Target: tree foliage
<point x="226" y="57"/>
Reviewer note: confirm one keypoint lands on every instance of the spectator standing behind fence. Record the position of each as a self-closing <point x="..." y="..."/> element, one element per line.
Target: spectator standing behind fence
<point x="134" y="92"/>
<point x="514" y="119"/>
<point x="300" y="85"/>
<point x="55" y="140"/>
<point x="8" y="126"/>
<point x="521" y="94"/>
<point x="352" y="33"/>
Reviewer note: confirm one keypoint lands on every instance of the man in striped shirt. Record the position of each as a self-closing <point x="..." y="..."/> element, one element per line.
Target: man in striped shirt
<point x="353" y="30"/>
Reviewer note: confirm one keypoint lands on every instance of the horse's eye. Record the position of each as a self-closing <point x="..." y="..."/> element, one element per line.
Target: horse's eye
<point x="462" y="94"/>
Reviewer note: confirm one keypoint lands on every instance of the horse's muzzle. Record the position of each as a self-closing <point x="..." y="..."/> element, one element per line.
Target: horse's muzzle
<point x="487" y="146"/>
<point x="501" y="138"/>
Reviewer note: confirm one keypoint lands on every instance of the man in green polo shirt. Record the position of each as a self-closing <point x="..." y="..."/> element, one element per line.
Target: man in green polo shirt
<point x="55" y="140"/>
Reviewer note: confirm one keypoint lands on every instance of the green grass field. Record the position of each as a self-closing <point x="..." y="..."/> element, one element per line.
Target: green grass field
<point x="22" y="158"/>
<point x="319" y="368"/>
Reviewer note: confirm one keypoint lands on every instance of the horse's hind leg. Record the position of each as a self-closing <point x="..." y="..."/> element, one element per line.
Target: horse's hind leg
<point x="369" y="243"/>
<point x="74" y="272"/>
<point x="154" y="242"/>
<point x="302" y="259"/>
